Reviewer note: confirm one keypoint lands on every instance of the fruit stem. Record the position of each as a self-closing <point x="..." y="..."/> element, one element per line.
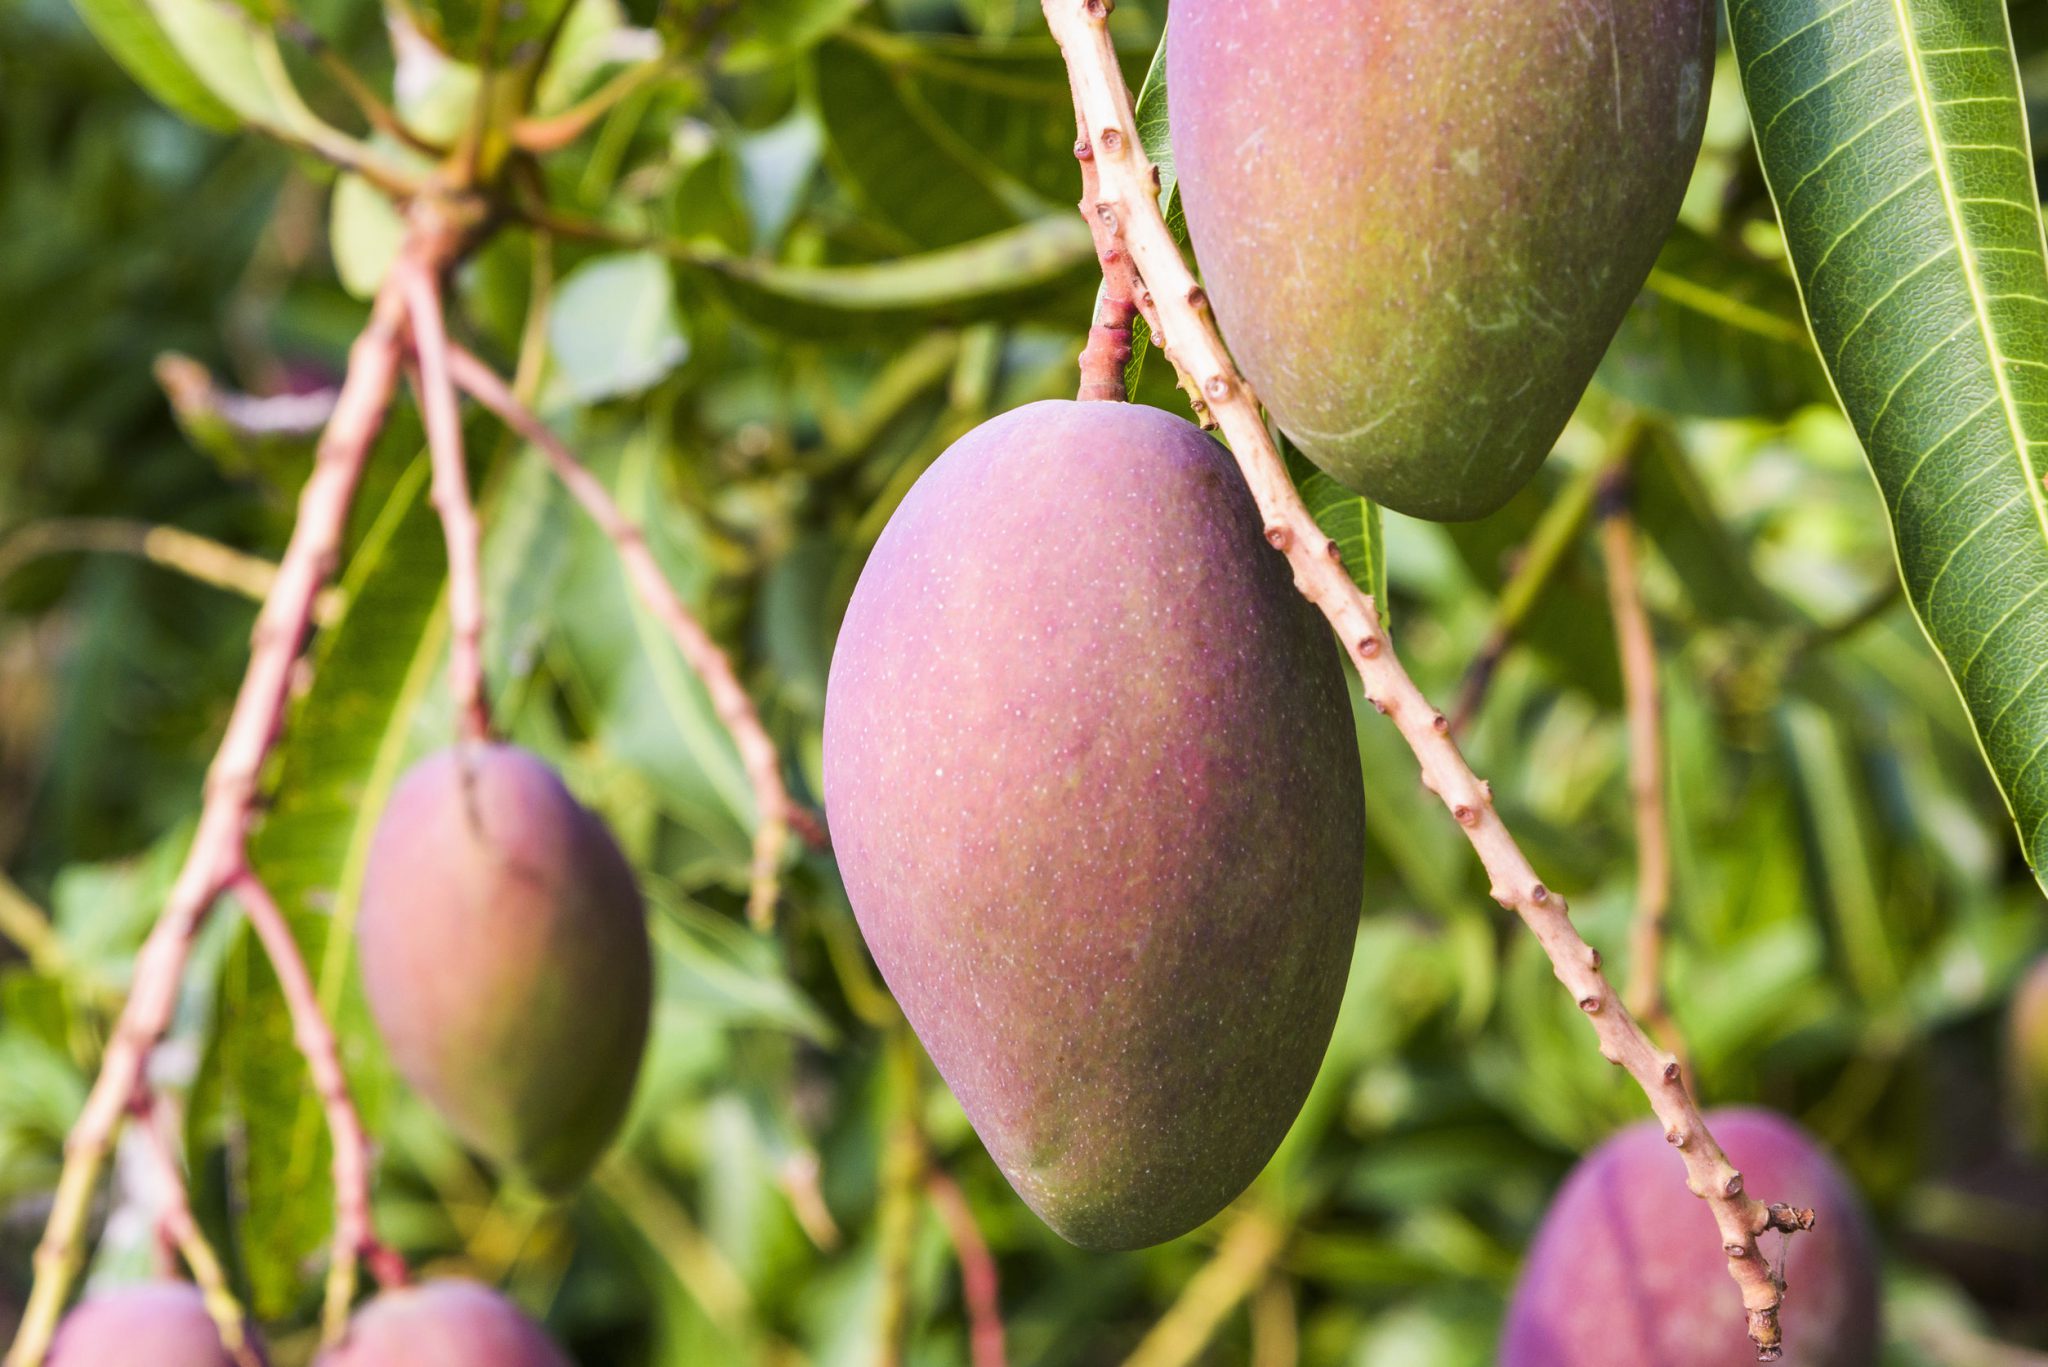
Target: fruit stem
<point x="1128" y="199"/>
<point x="218" y="851"/>
<point x="443" y="418"/>
<point x="174" y="1218"/>
<point x="1108" y="352"/>
<point x="354" y="1236"/>
<point x="629" y="542"/>
<point x="1637" y="648"/>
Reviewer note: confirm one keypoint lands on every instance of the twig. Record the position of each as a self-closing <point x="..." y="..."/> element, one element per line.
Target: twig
<point x="28" y="927"/>
<point x="378" y="114"/>
<point x="175" y="1219"/>
<point x="442" y="415"/>
<point x="197" y="396"/>
<point x="556" y="131"/>
<point x="1556" y="532"/>
<point x="734" y="708"/>
<point x="979" y="1286"/>
<point x="353" y="1236"/>
<point x="218" y="848"/>
<point x="196" y="557"/>
<point x="1644" y="991"/>
<point x="1240" y="1264"/>
<point x="1109" y="336"/>
<point x="1128" y="202"/>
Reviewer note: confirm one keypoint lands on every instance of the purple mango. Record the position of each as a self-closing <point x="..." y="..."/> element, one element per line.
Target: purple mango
<point x="1627" y="1268"/>
<point x="152" y="1324"/>
<point x="506" y="961"/>
<point x="448" y="1323"/>
<point x="1094" y="789"/>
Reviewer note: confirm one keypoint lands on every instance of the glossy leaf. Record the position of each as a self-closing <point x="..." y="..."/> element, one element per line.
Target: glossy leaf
<point x="1895" y="143"/>
<point x="1009" y="273"/>
<point x="1347" y="518"/>
<point x="130" y="31"/>
<point x="613" y="329"/>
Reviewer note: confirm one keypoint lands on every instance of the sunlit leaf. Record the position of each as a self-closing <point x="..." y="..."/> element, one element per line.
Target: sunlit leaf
<point x="613" y="329"/>
<point x="130" y="31"/>
<point x="1895" y="143"/>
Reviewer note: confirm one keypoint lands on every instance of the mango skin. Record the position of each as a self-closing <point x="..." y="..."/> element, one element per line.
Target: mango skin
<point x="506" y="960"/>
<point x="1094" y="790"/>
<point x="1627" y="1268"/>
<point x="152" y="1324"/>
<point x="1421" y="221"/>
<point x="448" y="1323"/>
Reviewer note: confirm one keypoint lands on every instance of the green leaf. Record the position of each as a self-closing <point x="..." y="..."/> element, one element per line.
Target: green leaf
<point x="1154" y="135"/>
<point x="1349" y="519"/>
<point x="917" y="176"/>
<point x="364" y="232"/>
<point x="613" y="329"/>
<point x="1018" y="271"/>
<point x="131" y="34"/>
<point x="1715" y="333"/>
<point x="344" y="747"/>
<point x="1895" y="145"/>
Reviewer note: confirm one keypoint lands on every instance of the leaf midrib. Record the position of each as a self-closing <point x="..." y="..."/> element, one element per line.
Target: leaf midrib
<point x="1909" y="47"/>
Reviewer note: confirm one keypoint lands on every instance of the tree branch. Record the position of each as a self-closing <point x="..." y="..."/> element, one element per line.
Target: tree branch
<point x="176" y="1221"/>
<point x="442" y="415"/>
<point x="354" y="1238"/>
<point x="1637" y="648"/>
<point x="1239" y="1266"/>
<point x="1129" y="202"/>
<point x="1109" y="337"/>
<point x="979" y="1286"/>
<point x="218" y="852"/>
<point x="735" y="709"/>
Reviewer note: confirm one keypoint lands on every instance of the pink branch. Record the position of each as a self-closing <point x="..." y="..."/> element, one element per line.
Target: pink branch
<point x="1129" y="199"/>
<point x="443" y="417"/>
<point x="217" y="852"/>
<point x="978" y="1286"/>
<point x="354" y="1236"/>
<point x="734" y="707"/>
<point x="1109" y="337"/>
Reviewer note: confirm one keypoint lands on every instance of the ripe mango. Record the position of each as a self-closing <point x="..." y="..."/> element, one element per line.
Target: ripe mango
<point x="447" y="1323"/>
<point x="506" y="961"/>
<point x="151" y="1324"/>
<point x="1094" y="789"/>
<point x="1421" y="221"/>
<point x="1627" y="1268"/>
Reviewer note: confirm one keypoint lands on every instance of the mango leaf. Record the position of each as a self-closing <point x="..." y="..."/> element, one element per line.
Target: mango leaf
<point x="343" y="749"/>
<point x="1894" y="141"/>
<point x="1714" y="334"/>
<point x="1154" y="135"/>
<point x="1018" y="271"/>
<point x="363" y="232"/>
<point x="129" y="31"/>
<point x="917" y="176"/>
<point x="613" y="328"/>
<point x="1351" y="520"/>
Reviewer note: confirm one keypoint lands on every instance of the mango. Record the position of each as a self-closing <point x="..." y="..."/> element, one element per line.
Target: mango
<point x="446" y="1323"/>
<point x="1627" y="1267"/>
<point x="506" y="960"/>
<point x="1420" y="221"/>
<point x="1094" y="790"/>
<point x="151" y="1324"/>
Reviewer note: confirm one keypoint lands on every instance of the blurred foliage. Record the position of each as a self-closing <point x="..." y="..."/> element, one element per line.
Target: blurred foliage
<point x="838" y="241"/>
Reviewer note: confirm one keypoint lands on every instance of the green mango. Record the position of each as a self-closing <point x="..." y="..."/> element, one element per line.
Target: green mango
<point x="1420" y="222"/>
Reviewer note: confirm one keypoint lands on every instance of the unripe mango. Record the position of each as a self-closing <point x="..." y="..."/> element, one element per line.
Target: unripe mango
<point x="505" y="957"/>
<point x="1627" y="1268"/>
<point x="1094" y="789"/>
<point x="449" y="1323"/>
<point x="1421" y="221"/>
<point x="153" y="1324"/>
